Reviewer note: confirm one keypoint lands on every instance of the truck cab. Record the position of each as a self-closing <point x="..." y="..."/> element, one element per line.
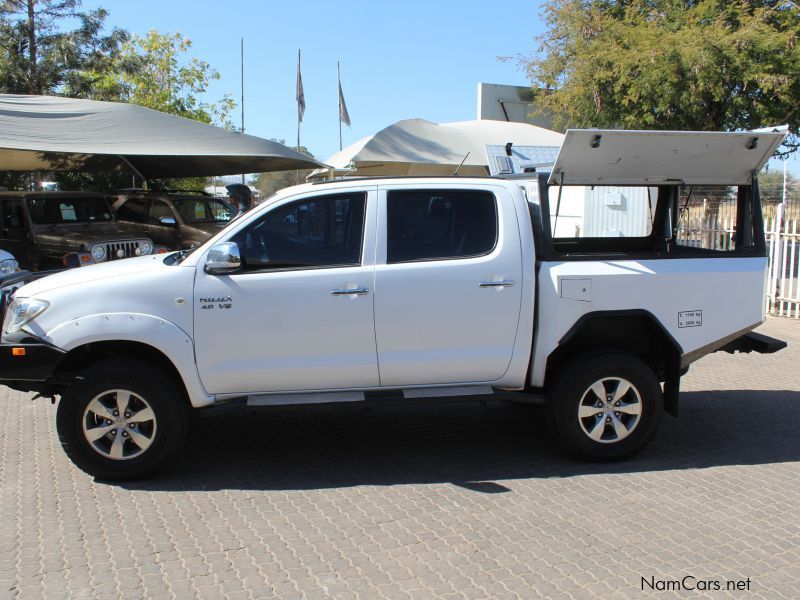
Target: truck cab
<point x="411" y="288"/>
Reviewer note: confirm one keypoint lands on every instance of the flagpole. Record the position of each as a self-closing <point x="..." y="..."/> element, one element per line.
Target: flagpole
<point x="339" y="79"/>
<point x="242" y="73"/>
<point x="298" y="106"/>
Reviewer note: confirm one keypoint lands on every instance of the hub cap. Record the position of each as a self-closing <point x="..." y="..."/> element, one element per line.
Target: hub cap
<point x="610" y="410"/>
<point x="119" y="425"/>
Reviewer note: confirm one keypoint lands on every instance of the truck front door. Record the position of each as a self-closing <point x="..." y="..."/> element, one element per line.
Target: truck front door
<point x="299" y="315"/>
<point x="448" y="284"/>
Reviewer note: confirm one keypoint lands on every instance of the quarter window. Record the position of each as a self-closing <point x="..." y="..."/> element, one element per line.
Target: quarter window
<point x="440" y="224"/>
<point x="324" y="231"/>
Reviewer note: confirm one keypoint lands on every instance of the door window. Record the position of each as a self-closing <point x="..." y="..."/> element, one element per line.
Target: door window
<point x="134" y="210"/>
<point x="12" y="214"/>
<point x="440" y="224"/>
<point x="324" y="231"/>
<point x="159" y="209"/>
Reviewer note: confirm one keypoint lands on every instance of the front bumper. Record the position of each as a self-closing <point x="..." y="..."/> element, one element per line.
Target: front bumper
<point x="29" y="366"/>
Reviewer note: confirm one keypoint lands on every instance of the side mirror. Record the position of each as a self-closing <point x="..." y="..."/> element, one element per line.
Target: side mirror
<point x="223" y="259"/>
<point x="168" y="221"/>
<point x="14" y="221"/>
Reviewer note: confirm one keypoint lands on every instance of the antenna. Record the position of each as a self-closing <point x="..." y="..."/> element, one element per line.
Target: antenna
<point x="461" y="163"/>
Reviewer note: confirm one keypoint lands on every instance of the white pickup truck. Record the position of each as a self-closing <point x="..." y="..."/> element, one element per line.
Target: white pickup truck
<point x="419" y="288"/>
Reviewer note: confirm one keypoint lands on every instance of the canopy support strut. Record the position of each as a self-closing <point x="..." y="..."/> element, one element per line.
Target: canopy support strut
<point x="134" y="169"/>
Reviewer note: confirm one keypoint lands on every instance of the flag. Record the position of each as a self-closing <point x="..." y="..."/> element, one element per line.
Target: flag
<point x="301" y="98"/>
<point x="344" y="117"/>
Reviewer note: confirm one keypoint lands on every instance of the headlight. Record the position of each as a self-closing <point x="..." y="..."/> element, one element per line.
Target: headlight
<point x="145" y="248"/>
<point x="98" y="252"/>
<point x="21" y="312"/>
<point x="8" y="266"/>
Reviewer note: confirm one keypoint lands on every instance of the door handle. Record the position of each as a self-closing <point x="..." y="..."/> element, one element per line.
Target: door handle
<point x="495" y="284"/>
<point x="351" y="292"/>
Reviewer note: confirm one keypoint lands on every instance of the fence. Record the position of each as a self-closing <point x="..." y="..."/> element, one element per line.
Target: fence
<point x="716" y="231"/>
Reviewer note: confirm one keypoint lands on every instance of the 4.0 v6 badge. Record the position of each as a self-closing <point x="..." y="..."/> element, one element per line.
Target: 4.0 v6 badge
<point x="221" y="303"/>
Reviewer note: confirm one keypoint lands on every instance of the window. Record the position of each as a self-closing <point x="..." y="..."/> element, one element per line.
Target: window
<point x="158" y="210"/>
<point x="324" y="231"/>
<point x="134" y="210"/>
<point x="602" y="211"/>
<point x="202" y="210"/>
<point x="440" y="224"/>
<point x="57" y="210"/>
<point x="13" y="217"/>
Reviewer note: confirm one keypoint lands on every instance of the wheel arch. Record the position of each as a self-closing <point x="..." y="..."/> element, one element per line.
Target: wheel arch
<point x="89" y="354"/>
<point x="636" y="331"/>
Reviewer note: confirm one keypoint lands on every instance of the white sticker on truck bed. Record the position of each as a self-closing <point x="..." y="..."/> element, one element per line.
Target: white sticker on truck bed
<point x="690" y="318"/>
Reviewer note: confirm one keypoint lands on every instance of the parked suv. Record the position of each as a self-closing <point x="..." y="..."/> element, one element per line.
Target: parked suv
<point x="175" y="220"/>
<point x="45" y="229"/>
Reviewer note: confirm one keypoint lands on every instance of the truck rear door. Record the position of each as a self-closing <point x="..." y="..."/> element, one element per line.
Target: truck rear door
<point x="448" y="283"/>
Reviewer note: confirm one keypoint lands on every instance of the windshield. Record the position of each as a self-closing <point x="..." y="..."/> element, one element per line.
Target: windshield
<point x="203" y="210"/>
<point x="57" y="210"/>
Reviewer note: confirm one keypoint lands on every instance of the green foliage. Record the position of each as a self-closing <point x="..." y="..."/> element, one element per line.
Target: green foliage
<point x="269" y="183"/>
<point x="154" y="71"/>
<point x="38" y="56"/>
<point x="669" y="64"/>
<point x="770" y="186"/>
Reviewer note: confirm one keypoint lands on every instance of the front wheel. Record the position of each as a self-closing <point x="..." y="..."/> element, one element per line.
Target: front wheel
<point x="121" y="420"/>
<point x="605" y="406"/>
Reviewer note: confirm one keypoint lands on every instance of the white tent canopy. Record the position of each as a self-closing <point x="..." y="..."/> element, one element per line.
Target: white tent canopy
<point x="56" y="134"/>
<point x="419" y="147"/>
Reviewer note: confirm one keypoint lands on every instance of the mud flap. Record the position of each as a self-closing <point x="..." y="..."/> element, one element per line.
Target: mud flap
<point x="672" y="384"/>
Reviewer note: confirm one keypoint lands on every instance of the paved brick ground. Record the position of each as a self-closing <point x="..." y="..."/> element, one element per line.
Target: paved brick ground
<point x="467" y="502"/>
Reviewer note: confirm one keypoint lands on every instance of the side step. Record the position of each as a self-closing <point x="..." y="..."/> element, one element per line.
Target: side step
<point x="331" y="397"/>
<point x="754" y="342"/>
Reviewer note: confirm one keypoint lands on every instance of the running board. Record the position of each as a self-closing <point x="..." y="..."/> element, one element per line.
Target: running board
<point x="331" y="397"/>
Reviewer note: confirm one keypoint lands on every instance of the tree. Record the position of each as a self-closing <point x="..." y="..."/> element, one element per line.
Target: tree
<point x="770" y="186"/>
<point x="670" y="64"/>
<point x="269" y="183"/>
<point x="154" y="71"/>
<point x="38" y="56"/>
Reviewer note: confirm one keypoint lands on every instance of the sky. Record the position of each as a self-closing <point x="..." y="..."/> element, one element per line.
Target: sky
<point x="399" y="59"/>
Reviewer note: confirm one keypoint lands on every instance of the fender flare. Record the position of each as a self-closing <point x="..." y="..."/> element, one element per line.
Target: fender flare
<point x="158" y="333"/>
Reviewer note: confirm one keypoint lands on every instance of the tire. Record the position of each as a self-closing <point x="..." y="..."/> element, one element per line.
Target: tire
<point x="131" y="445"/>
<point x="614" y="427"/>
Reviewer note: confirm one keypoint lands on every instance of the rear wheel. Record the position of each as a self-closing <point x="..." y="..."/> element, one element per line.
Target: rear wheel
<point x="605" y="406"/>
<point x="122" y="420"/>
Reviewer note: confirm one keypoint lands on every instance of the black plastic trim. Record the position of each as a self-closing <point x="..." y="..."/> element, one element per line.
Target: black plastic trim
<point x="38" y="364"/>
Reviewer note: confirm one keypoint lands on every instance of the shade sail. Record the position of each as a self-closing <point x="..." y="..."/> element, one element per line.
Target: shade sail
<point x="419" y="147"/>
<point x="57" y="134"/>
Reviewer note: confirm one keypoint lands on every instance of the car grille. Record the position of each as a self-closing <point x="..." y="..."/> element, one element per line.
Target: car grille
<point x="126" y="249"/>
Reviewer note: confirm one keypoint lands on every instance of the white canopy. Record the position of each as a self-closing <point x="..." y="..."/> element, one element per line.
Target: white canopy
<point x="56" y="134"/>
<point x="419" y="147"/>
<point x="618" y="157"/>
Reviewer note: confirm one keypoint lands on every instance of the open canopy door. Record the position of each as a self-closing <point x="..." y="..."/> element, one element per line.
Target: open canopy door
<point x="618" y="157"/>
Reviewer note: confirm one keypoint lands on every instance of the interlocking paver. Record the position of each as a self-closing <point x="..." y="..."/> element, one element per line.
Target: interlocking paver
<point x="422" y="502"/>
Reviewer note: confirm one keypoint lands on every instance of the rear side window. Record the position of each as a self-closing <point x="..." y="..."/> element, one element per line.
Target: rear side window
<point x="440" y="224"/>
<point x="133" y="210"/>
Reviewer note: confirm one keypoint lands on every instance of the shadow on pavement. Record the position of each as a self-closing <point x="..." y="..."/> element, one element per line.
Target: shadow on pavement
<point x="468" y="445"/>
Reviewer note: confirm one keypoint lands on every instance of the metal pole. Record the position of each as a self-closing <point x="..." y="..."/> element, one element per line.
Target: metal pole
<point x="339" y="96"/>
<point x="298" y="106"/>
<point x="241" y="48"/>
